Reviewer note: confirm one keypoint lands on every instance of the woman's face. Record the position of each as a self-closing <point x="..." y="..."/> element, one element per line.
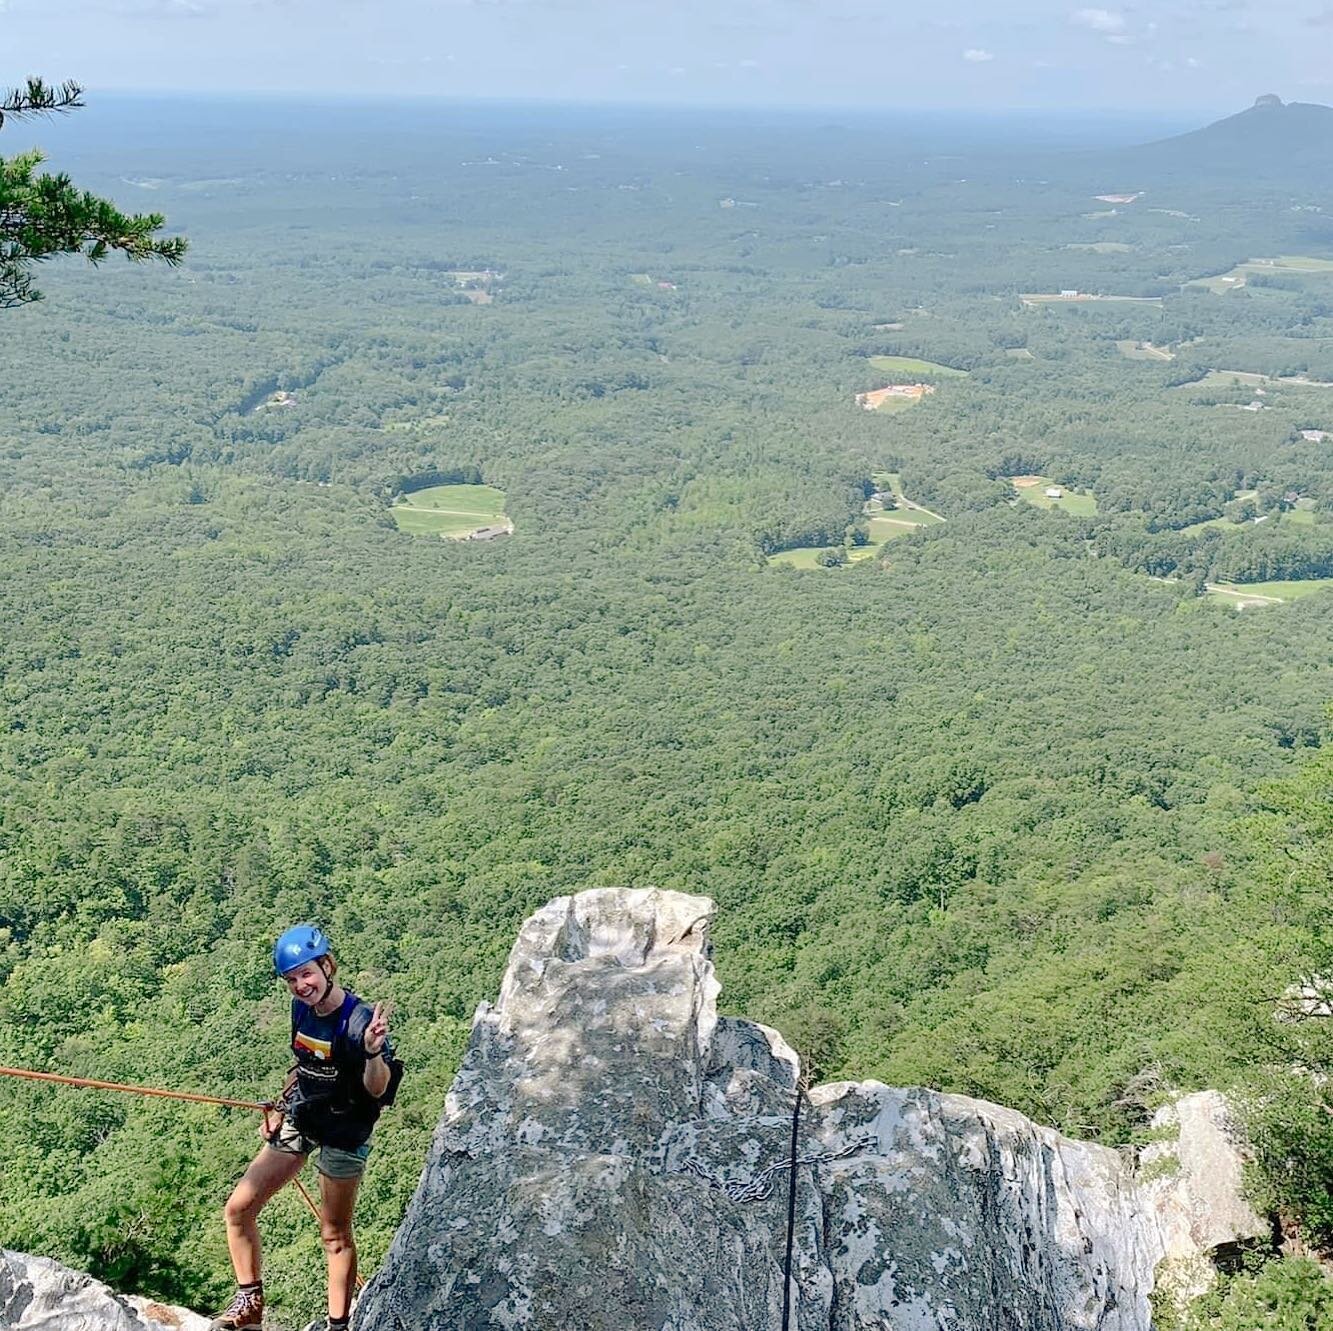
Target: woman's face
<point x="307" y="982"/>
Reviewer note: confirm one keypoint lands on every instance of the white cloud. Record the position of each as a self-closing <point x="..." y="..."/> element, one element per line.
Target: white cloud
<point x="977" y="56"/>
<point x="1098" y="20"/>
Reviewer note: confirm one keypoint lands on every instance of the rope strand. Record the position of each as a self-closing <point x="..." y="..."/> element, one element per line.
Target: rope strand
<point x="93" y="1084"/>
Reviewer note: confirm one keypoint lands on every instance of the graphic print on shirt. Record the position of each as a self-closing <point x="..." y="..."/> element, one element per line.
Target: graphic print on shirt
<point x="303" y="1041"/>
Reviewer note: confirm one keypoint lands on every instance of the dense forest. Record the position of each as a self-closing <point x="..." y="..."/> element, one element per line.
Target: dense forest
<point x="1019" y="807"/>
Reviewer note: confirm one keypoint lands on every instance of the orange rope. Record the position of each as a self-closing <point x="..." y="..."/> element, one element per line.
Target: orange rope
<point x="133" y="1090"/>
<point x="93" y="1084"/>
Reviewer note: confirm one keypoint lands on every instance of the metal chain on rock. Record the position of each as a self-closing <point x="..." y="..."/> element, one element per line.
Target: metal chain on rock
<point x="759" y="1187"/>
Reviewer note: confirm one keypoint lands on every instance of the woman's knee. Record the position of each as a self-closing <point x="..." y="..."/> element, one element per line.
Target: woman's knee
<point x="336" y="1238"/>
<point x="240" y="1207"/>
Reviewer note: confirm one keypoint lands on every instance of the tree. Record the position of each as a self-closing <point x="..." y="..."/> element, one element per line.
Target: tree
<point x="43" y="215"/>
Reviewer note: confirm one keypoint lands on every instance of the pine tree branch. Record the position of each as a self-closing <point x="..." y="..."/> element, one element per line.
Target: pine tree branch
<point x="38" y="98"/>
<point x="42" y="216"/>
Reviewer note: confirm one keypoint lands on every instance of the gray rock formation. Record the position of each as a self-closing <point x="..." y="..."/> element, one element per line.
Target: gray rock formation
<point x="37" y="1294"/>
<point x="1194" y="1180"/>
<point x="613" y="1157"/>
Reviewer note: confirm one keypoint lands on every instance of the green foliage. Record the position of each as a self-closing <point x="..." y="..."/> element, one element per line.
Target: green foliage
<point x="1033" y="826"/>
<point x="1288" y="1295"/>
<point x="42" y="216"/>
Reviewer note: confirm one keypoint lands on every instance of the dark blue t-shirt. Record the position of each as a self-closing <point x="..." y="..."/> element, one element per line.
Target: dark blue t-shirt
<point x="329" y="1102"/>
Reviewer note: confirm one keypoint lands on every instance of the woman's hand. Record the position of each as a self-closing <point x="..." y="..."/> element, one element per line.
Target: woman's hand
<point x="377" y="1031"/>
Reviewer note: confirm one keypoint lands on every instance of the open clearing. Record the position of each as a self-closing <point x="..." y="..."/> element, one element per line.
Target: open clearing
<point x="1033" y="490"/>
<point x="1253" y="595"/>
<point x="1101" y="246"/>
<point x="1221" y="283"/>
<point x="453" y="511"/>
<point x="1132" y="350"/>
<point x="1251" y="379"/>
<point x="886" y="524"/>
<point x="1083" y="298"/>
<point x="896" y="397"/>
<point x="910" y="365"/>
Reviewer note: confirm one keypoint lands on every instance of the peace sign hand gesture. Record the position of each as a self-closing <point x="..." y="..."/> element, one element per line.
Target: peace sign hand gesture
<point x="377" y="1031"/>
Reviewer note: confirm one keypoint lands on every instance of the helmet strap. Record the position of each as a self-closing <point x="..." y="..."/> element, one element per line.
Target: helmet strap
<point x="328" y="985"/>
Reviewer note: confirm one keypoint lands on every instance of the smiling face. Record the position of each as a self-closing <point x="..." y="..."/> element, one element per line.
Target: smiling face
<point x="309" y="982"/>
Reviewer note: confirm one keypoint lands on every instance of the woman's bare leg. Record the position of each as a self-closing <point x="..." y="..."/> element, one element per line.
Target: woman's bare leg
<point x="337" y="1202"/>
<point x="269" y="1172"/>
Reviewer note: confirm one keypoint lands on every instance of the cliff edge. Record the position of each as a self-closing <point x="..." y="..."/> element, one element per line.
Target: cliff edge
<point x="613" y="1156"/>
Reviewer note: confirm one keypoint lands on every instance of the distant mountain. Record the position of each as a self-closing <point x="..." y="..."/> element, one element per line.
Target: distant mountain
<point x="1271" y="136"/>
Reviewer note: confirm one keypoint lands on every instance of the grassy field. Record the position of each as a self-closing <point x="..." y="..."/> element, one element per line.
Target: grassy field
<point x="1250" y="379"/>
<point x="449" y="510"/>
<point x="1133" y="350"/>
<point x="884" y="527"/>
<point x="1245" y="595"/>
<point x="1220" y="283"/>
<point x="1080" y="505"/>
<point x="1302" y="515"/>
<point x="909" y="365"/>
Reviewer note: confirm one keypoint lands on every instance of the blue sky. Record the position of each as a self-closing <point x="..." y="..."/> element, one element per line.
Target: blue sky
<point x="1173" y="54"/>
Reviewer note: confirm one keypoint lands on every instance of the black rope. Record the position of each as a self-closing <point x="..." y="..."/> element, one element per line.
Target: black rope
<point x="791" y="1212"/>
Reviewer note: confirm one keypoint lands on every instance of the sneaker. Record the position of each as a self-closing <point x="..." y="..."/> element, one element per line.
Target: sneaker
<point x="245" y="1313"/>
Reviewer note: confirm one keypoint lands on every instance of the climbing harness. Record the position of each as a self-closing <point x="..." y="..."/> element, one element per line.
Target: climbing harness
<point x="760" y="1186"/>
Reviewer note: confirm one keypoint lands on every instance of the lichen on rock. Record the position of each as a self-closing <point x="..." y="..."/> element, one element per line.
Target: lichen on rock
<point x="613" y="1157"/>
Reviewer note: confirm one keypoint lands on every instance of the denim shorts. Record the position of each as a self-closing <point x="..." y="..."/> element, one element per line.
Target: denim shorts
<point x="332" y="1161"/>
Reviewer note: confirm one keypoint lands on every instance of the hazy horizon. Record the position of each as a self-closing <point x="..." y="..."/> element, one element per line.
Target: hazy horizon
<point x="1055" y="55"/>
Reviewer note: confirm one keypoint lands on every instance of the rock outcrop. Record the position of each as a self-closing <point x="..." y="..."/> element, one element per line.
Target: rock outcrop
<point x="613" y="1157"/>
<point x="1193" y="1177"/>
<point x="37" y="1294"/>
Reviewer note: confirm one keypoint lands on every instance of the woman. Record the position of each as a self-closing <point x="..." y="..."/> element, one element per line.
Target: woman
<point x="345" y="1074"/>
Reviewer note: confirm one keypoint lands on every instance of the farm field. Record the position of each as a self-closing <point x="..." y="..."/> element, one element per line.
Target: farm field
<point x="1084" y="298"/>
<point x="1032" y="489"/>
<point x="1255" y="594"/>
<point x="453" y="511"/>
<point x="1251" y="379"/>
<point x="910" y="365"/>
<point x="1237" y="277"/>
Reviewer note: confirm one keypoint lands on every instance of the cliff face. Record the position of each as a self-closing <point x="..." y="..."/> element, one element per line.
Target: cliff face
<point x="613" y="1157"/>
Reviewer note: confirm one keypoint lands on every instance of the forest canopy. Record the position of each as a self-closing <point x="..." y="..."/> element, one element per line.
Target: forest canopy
<point x="1028" y="808"/>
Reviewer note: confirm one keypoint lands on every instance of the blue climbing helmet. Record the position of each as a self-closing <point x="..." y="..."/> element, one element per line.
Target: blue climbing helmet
<point x="299" y="944"/>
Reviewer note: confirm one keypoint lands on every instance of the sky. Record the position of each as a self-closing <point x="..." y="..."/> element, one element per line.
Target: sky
<point x="1215" y="55"/>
